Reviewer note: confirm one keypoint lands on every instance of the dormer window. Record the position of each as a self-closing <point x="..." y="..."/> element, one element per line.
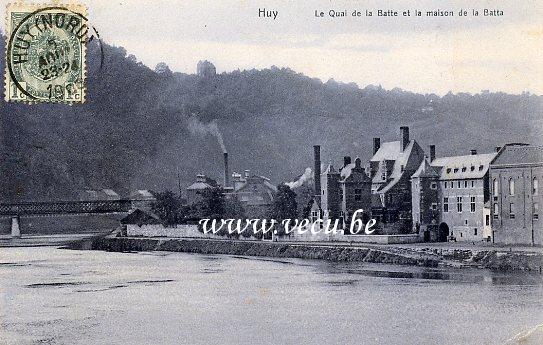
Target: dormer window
<point x="448" y="170"/>
<point x="481" y="167"/>
<point x="455" y="170"/>
<point x="464" y="169"/>
<point x="472" y="168"/>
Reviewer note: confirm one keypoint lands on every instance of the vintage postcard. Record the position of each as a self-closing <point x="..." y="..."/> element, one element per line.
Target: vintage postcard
<point x="271" y="172"/>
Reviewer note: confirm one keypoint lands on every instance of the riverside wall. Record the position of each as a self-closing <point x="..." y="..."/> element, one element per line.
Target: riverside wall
<point x="390" y="254"/>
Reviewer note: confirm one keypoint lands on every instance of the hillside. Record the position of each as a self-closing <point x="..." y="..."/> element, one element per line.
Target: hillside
<point x="142" y="129"/>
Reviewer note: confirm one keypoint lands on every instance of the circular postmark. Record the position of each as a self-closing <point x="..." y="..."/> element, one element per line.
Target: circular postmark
<point x="46" y="55"/>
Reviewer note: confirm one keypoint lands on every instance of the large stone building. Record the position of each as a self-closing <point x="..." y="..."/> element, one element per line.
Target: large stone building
<point x="255" y="193"/>
<point x="390" y="169"/>
<point x="425" y="201"/>
<point x="338" y="194"/>
<point x="355" y="191"/>
<point x="515" y="175"/>
<point x="463" y="191"/>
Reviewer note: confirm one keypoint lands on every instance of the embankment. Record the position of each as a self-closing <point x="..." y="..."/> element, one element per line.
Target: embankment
<point x="390" y="254"/>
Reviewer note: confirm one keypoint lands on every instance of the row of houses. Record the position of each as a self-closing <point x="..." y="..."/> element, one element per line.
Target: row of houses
<point x="492" y="196"/>
<point x="476" y="197"/>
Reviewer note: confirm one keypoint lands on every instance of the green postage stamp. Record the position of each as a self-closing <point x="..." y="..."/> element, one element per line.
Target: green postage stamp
<point x="45" y="53"/>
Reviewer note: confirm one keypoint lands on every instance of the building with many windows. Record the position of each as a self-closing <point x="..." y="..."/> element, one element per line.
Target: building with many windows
<point x="463" y="191"/>
<point x="516" y="199"/>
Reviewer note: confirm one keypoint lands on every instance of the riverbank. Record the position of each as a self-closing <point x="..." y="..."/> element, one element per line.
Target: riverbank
<point x="503" y="259"/>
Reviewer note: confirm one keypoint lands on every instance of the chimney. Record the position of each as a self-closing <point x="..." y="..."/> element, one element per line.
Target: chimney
<point x="473" y="152"/>
<point x="317" y="172"/>
<point x="432" y="153"/>
<point x="226" y="174"/>
<point x="346" y="161"/>
<point x="376" y="145"/>
<point x="498" y="148"/>
<point x="405" y="137"/>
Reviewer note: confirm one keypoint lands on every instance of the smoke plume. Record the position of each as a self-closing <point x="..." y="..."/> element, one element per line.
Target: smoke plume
<point x="197" y="127"/>
<point x="305" y="176"/>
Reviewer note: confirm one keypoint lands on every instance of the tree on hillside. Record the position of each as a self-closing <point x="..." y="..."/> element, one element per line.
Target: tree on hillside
<point x="168" y="207"/>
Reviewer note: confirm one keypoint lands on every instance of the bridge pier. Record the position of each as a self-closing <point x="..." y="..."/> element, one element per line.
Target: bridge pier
<point x="15" y="230"/>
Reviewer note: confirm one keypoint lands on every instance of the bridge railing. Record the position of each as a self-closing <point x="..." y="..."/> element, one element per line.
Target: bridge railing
<point x="59" y="207"/>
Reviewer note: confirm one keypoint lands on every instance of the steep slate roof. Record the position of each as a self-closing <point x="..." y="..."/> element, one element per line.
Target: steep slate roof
<point x="519" y="154"/>
<point x="388" y="151"/>
<point x="464" y="167"/>
<point x="426" y="170"/>
<point x="392" y="151"/>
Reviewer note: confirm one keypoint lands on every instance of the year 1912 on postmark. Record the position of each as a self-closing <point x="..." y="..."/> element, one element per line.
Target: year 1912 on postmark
<point x="45" y="53"/>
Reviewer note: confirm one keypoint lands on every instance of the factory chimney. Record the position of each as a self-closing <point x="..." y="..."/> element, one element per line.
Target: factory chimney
<point x="405" y="137"/>
<point x="226" y="174"/>
<point x="432" y="153"/>
<point x="317" y="172"/>
<point x="376" y="145"/>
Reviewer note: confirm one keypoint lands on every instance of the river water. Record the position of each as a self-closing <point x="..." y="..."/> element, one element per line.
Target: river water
<point x="56" y="296"/>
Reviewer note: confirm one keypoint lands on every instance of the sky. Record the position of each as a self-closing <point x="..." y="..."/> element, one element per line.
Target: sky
<point x="419" y="54"/>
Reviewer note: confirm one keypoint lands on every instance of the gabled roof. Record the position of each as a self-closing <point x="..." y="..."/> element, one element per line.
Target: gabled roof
<point x="519" y="154"/>
<point x="257" y="180"/>
<point x="392" y="151"/>
<point x="464" y="167"/>
<point x="141" y="217"/>
<point x="426" y="170"/>
<point x="388" y="151"/>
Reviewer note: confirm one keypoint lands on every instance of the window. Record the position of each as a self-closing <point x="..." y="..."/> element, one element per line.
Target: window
<point x="535" y="186"/>
<point x="475" y="232"/>
<point x="445" y="184"/>
<point x="465" y="222"/>
<point x="536" y="211"/>
<point x="472" y="204"/>
<point x="495" y="187"/>
<point x="459" y="204"/>
<point x="472" y="184"/>
<point x="466" y="184"/>
<point x="455" y="170"/>
<point x="402" y="168"/>
<point x="458" y="184"/>
<point x="464" y="169"/>
<point x="448" y="170"/>
<point x="496" y="211"/>
<point x="481" y="168"/>
<point x="433" y="185"/>
<point x="472" y="168"/>
<point x="487" y="220"/>
<point x="445" y="204"/>
<point x="434" y="206"/>
<point x="512" y="211"/>
<point x="323" y="192"/>
<point x="511" y="187"/>
<point x="314" y="216"/>
<point x="358" y="194"/>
